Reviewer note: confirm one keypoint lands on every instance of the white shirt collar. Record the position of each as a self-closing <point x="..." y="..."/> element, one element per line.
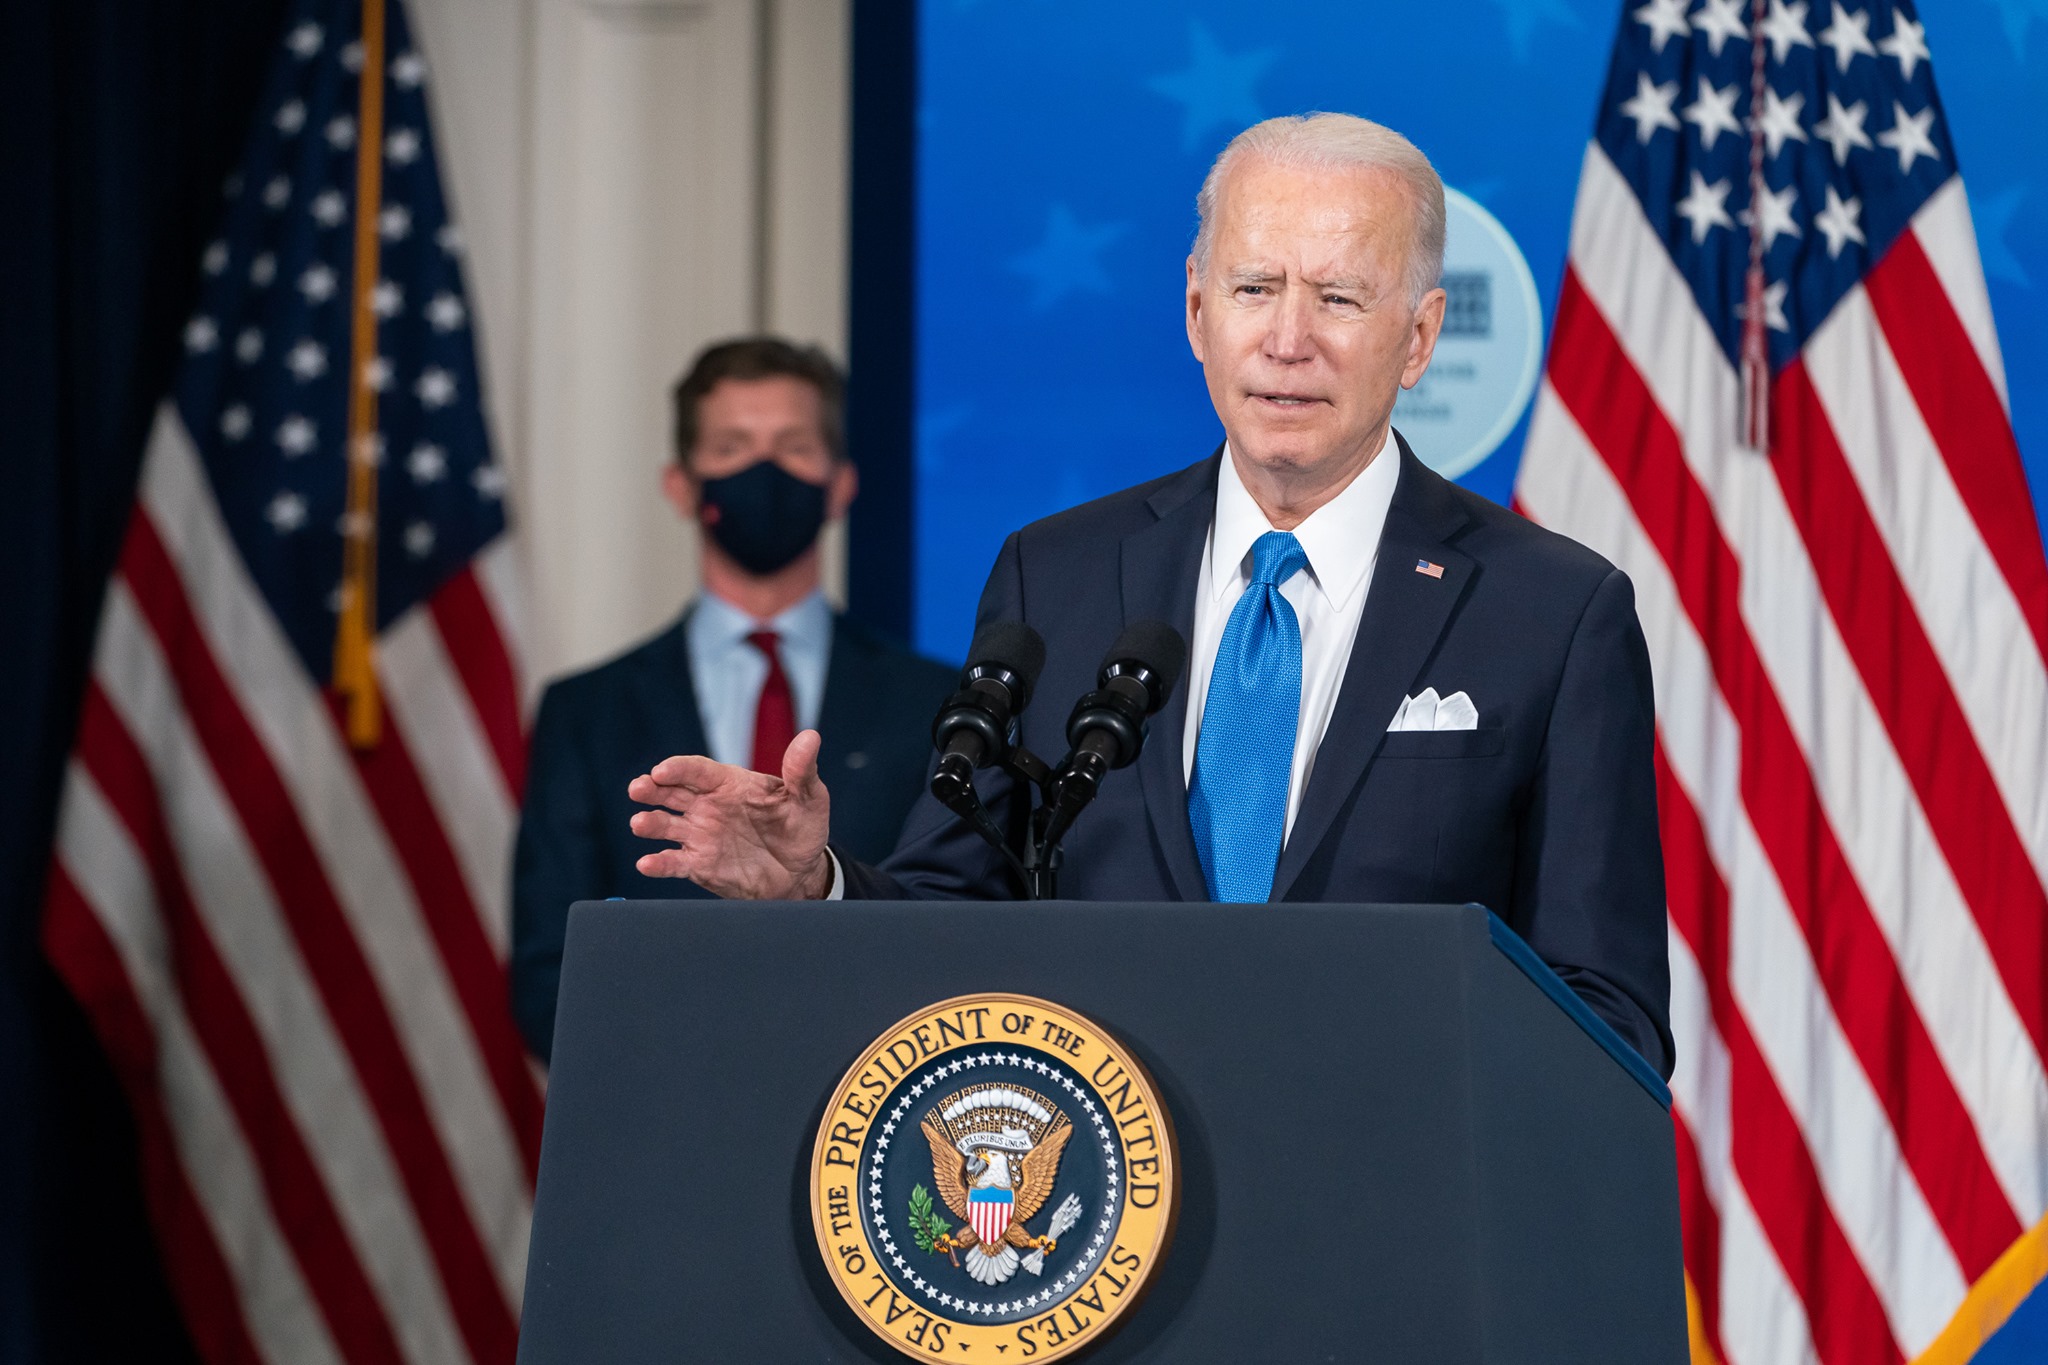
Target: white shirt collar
<point x="723" y="624"/>
<point x="1341" y="538"/>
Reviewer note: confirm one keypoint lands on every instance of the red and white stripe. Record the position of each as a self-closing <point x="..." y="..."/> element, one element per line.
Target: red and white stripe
<point x="991" y="1219"/>
<point x="295" y="952"/>
<point x="1848" y="637"/>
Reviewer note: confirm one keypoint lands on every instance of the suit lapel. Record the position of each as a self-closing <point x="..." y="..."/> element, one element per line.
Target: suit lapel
<point x="667" y="695"/>
<point x="842" y="722"/>
<point x="1161" y="566"/>
<point x="1405" y="615"/>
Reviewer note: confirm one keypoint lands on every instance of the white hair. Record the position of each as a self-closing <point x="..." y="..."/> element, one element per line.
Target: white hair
<point x="1338" y="142"/>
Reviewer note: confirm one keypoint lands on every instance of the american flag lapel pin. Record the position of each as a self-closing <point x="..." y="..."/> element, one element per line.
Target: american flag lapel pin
<point x="1429" y="570"/>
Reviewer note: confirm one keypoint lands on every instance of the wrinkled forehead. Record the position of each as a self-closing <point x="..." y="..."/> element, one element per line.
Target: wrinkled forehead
<point x="1319" y="222"/>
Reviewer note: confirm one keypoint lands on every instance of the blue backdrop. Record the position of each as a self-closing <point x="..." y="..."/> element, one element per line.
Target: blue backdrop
<point x="1060" y="143"/>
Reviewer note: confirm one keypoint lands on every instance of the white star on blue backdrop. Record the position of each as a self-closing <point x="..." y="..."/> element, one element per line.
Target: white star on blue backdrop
<point x="1067" y="258"/>
<point x="1522" y="16"/>
<point x="1994" y="213"/>
<point x="2017" y="15"/>
<point x="1215" y="90"/>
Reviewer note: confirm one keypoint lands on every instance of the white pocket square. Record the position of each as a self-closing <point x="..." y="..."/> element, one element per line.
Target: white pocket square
<point x="1427" y="711"/>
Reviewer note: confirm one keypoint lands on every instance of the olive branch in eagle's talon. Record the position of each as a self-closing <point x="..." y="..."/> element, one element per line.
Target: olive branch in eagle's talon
<point x="929" y="1230"/>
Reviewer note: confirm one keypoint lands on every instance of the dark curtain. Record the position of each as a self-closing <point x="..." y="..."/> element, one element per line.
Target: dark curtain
<point x="119" y="120"/>
<point x="881" y="399"/>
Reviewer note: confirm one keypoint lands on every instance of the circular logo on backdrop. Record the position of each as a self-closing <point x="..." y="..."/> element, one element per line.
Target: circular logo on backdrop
<point x="994" y="1174"/>
<point x="1485" y="365"/>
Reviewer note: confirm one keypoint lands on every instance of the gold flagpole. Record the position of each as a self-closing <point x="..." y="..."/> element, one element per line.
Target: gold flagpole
<point x="355" y="665"/>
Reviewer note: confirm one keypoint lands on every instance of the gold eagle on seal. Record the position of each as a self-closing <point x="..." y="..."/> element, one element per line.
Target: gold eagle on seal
<point x="995" y="1155"/>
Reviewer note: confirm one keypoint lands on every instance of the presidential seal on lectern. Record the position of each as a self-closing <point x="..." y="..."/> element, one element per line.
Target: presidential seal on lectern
<point x="994" y="1174"/>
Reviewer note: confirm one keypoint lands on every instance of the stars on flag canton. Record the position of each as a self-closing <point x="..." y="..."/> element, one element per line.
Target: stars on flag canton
<point x="1849" y="128"/>
<point x="264" y="386"/>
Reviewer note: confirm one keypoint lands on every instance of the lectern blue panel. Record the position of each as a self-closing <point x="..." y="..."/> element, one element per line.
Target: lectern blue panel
<point x="1394" y="1143"/>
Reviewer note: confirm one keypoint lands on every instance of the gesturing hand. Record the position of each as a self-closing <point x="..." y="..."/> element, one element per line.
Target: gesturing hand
<point x="743" y="835"/>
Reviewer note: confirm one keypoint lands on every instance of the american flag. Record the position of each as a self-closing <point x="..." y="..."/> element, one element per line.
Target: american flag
<point x="283" y="904"/>
<point x="1848" y="629"/>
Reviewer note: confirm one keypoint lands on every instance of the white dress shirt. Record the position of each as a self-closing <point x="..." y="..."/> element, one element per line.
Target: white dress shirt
<point x="1342" y="541"/>
<point x="728" y="673"/>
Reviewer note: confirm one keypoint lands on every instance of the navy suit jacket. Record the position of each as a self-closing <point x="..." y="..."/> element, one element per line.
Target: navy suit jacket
<point x="1546" y="813"/>
<point x="598" y="730"/>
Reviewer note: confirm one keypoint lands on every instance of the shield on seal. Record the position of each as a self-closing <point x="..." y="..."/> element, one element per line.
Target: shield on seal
<point x="989" y="1211"/>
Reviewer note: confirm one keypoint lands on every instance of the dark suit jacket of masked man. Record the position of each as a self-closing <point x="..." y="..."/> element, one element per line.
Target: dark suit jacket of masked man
<point x="598" y="728"/>
<point x="1545" y="813"/>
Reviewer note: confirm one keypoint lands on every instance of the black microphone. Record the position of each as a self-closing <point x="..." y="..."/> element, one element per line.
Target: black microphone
<point x="1107" y="728"/>
<point x="972" y="730"/>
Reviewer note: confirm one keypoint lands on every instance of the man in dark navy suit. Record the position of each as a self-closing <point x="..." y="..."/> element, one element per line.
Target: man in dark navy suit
<point x="760" y="465"/>
<point x="1397" y="691"/>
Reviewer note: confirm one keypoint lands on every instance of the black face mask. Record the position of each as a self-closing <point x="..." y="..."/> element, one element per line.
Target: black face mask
<point x="763" y="516"/>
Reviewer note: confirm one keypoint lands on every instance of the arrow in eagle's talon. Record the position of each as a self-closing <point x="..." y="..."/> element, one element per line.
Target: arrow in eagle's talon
<point x="1063" y="1218"/>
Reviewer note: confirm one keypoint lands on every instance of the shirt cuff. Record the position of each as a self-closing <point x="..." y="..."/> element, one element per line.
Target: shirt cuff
<point x="838" y="891"/>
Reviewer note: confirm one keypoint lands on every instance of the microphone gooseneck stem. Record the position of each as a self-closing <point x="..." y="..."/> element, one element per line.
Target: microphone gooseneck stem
<point x="965" y="802"/>
<point x="1077" y="784"/>
<point x="953" y="780"/>
<point x="1041" y="860"/>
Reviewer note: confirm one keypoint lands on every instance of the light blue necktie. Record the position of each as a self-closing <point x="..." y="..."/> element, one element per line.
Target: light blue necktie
<point x="1244" y="757"/>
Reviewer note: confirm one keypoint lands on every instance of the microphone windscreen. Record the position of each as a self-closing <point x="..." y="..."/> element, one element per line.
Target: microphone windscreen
<point x="1157" y="646"/>
<point x="1011" y="645"/>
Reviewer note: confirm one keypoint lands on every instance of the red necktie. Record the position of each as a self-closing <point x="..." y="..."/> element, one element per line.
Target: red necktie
<point x="775" y="716"/>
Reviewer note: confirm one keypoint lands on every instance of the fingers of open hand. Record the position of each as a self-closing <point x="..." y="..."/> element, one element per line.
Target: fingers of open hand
<point x="692" y="773"/>
<point x="659" y="824"/>
<point x="667" y="862"/>
<point x="649" y="792"/>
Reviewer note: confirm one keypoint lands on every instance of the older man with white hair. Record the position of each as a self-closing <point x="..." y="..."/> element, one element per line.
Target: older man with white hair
<point x="1397" y="691"/>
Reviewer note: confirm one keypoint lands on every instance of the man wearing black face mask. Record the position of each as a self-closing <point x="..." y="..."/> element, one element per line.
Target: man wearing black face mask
<point x="756" y="660"/>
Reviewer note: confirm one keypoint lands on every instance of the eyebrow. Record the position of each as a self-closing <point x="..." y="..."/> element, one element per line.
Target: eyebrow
<point x="1252" y="274"/>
